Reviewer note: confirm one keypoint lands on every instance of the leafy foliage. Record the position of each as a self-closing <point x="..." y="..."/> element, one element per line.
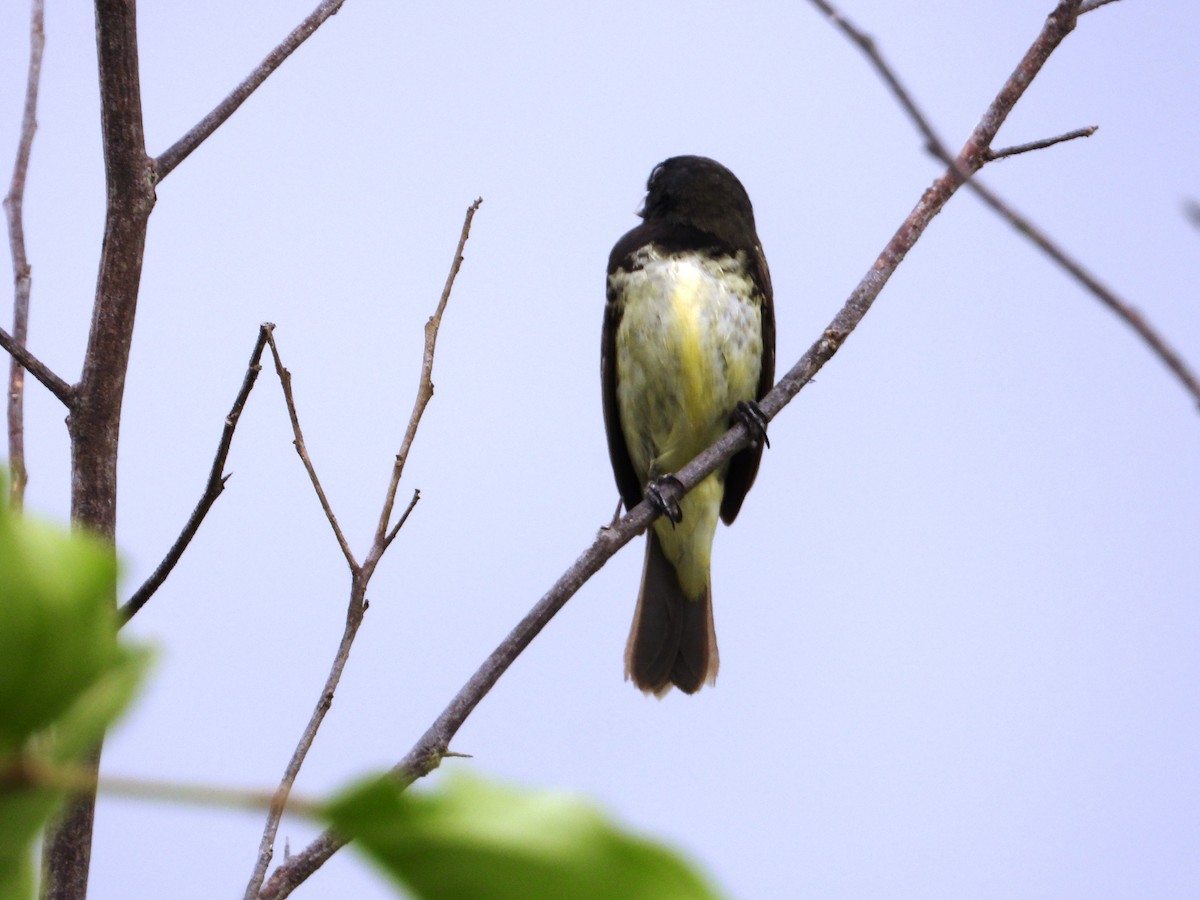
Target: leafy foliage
<point x="64" y="676"/>
<point x="474" y="839"/>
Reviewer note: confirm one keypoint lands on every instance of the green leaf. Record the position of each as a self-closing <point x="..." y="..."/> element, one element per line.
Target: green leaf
<point x="57" y="625"/>
<point x="64" y="676"/>
<point x="471" y="838"/>
<point x="96" y="708"/>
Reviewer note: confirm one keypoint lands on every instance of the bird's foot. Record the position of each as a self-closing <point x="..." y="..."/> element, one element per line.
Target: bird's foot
<point x="751" y="415"/>
<point x="663" y="493"/>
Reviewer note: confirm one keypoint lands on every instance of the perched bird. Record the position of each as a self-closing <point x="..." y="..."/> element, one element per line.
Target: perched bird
<point x="688" y="345"/>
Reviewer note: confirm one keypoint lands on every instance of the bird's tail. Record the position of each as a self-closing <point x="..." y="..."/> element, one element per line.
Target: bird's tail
<point x="672" y="640"/>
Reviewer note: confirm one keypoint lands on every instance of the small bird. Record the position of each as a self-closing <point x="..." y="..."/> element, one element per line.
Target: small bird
<point x="688" y="347"/>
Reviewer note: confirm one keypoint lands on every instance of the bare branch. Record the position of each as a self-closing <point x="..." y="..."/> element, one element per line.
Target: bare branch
<point x="38" y="369"/>
<point x="1123" y="310"/>
<point x="299" y="867"/>
<point x="1043" y="143"/>
<point x="94" y="424"/>
<point x="433" y="746"/>
<point x="212" y="490"/>
<point x="1059" y="24"/>
<point x="22" y="359"/>
<point x="285" y="380"/>
<point x="424" y="386"/>
<point x="935" y="146"/>
<point x="182" y="148"/>
<point x="354" y="618"/>
<point x="14" y="207"/>
<point x="867" y="44"/>
<point x="361" y="575"/>
<point x="391" y="535"/>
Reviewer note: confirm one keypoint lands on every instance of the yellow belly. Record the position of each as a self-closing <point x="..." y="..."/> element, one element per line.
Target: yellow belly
<point x="689" y="347"/>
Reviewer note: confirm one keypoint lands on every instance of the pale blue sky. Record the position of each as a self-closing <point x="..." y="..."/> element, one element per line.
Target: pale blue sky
<point x="959" y="614"/>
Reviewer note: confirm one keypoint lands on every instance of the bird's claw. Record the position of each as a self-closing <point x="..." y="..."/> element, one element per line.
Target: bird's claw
<point x="750" y="414"/>
<point x="662" y="492"/>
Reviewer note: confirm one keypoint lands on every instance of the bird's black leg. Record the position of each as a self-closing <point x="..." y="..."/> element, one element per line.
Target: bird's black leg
<point x="662" y="493"/>
<point x="751" y="415"/>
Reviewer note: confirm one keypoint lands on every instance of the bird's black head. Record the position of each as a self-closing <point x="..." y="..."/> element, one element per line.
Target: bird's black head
<point x="701" y="193"/>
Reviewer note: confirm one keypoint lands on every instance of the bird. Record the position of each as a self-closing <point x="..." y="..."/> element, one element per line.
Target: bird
<point x="688" y="347"/>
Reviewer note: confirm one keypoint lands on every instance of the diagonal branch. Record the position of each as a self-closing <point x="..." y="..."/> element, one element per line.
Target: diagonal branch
<point x="14" y="203"/>
<point x="391" y="535"/>
<point x="212" y="490"/>
<point x="1059" y="24"/>
<point x="1120" y="308"/>
<point x="934" y="144"/>
<point x="182" y="148"/>
<point x="285" y="380"/>
<point x="38" y="369"/>
<point x="428" y="752"/>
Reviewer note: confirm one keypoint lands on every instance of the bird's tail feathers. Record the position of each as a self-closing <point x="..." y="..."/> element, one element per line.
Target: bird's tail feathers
<point x="673" y="641"/>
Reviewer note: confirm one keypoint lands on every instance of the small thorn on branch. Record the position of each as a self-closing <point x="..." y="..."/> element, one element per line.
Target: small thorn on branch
<point x="1042" y="144"/>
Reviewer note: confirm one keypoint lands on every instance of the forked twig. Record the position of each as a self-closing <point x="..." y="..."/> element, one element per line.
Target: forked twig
<point x="360" y="574"/>
<point x="934" y="144"/>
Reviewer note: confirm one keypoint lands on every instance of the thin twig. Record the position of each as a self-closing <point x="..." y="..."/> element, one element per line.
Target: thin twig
<point x="14" y="208"/>
<point x="361" y="575"/>
<point x="934" y="144"/>
<point x="1042" y="144"/>
<point x="391" y="536"/>
<point x="212" y="490"/>
<point x="266" y="846"/>
<point x="38" y="369"/>
<point x="355" y="611"/>
<point x="285" y="381"/>
<point x="1123" y="310"/>
<point x="424" y="385"/>
<point x="14" y="203"/>
<point x="182" y="148"/>
<point x="426" y="754"/>
<point x="867" y="44"/>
